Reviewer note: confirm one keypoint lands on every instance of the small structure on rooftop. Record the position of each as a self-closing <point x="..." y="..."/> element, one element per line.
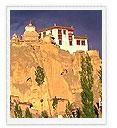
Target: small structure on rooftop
<point x="57" y="35"/>
<point x="30" y="34"/>
<point x="15" y="38"/>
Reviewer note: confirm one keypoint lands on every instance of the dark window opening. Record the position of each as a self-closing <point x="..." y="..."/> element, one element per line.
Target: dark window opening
<point x="83" y="42"/>
<point x="70" y="37"/>
<point x="64" y="31"/>
<point x="70" y="42"/>
<point x="78" y="42"/>
<point x="44" y="34"/>
<point x="59" y="32"/>
<point x="60" y="37"/>
<point x="60" y="42"/>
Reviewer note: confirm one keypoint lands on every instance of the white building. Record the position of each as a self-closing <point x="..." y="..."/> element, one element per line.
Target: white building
<point x="64" y="37"/>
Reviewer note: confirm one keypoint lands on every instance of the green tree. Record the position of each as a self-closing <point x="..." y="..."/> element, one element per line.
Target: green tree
<point x="44" y="114"/>
<point x="100" y="75"/>
<point x="27" y="113"/>
<point x="87" y="84"/>
<point x="69" y="110"/>
<point x="100" y="90"/>
<point x="100" y="81"/>
<point x="18" y="111"/>
<point x="39" y="73"/>
<point x="55" y="102"/>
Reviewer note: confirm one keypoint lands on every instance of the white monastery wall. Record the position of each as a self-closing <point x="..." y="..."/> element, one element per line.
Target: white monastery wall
<point x="64" y="37"/>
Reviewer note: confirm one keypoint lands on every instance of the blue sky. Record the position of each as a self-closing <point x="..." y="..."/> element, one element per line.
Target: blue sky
<point x="85" y="22"/>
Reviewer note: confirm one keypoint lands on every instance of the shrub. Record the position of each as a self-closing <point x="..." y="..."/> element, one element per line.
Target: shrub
<point x="39" y="73"/>
<point x="18" y="111"/>
<point x="69" y="110"/>
<point x="27" y="113"/>
<point x="55" y="102"/>
<point x="44" y="114"/>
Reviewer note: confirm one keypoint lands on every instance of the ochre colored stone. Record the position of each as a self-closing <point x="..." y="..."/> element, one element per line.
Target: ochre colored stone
<point x="62" y="78"/>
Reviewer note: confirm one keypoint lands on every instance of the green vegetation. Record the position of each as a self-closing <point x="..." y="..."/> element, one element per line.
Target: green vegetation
<point x="27" y="113"/>
<point x="100" y="75"/>
<point x="100" y="81"/>
<point x="69" y="110"/>
<point x="78" y="113"/>
<point x="100" y="84"/>
<point x="18" y="111"/>
<point x="87" y="84"/>
<point x="44" y="114"/>
<point x="55" y="102"/>
<point x="39" y="73"/>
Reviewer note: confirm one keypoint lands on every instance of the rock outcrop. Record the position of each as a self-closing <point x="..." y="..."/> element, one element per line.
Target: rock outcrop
<point x="62" y="78"/>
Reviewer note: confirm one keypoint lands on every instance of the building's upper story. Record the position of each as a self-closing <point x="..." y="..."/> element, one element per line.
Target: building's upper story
<point x="62" y="36"/>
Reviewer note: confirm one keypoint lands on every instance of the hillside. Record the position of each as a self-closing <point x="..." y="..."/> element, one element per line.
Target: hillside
<point x="62" y="78"/>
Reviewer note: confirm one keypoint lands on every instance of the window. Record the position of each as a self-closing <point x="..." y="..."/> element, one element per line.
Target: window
<point x="70" y="37"/>
<point x="60" y="42"/>
<point x="59" y="32"/>
<point x="78" y="42"/>
<point x="70" y="32"/>
<point x="64" y="31"/>
<point x="60" y="37"/>
<point x="44" y="34"/>
<point x="83" y="42"/>
<point x="70" y="42"/>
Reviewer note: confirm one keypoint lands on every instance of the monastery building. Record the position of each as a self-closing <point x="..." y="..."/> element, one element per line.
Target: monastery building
<point x="62" y="36"/>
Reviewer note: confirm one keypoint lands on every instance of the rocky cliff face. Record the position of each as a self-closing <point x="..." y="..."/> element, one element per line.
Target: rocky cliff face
<point x="61" y="70"/>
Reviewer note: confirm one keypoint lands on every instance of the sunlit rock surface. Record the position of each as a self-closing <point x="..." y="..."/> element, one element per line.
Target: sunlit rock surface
<point x="62" y="78"/>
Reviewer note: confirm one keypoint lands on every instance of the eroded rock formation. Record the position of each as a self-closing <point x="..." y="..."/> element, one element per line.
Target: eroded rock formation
<point x="62" y="78"/>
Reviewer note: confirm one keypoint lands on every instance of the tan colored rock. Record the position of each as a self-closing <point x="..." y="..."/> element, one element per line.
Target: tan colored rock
<point x="62" y="77"/>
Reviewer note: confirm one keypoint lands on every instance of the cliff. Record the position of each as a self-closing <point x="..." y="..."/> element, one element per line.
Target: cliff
<point x="62" y="78"/>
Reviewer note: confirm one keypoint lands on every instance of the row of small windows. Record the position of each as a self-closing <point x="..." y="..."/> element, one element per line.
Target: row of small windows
<point x="70" y="42"/>
<point x="78" y="42"/>
<point x="60" y="38"/>
<point x="59" y="33"/>
<point x="82" y="42"/>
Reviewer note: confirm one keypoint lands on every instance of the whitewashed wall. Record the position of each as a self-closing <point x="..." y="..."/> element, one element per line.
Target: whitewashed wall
<point x="65" y="41"/>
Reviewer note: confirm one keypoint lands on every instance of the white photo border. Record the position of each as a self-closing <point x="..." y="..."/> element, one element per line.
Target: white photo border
<point x="102" y="120"/>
